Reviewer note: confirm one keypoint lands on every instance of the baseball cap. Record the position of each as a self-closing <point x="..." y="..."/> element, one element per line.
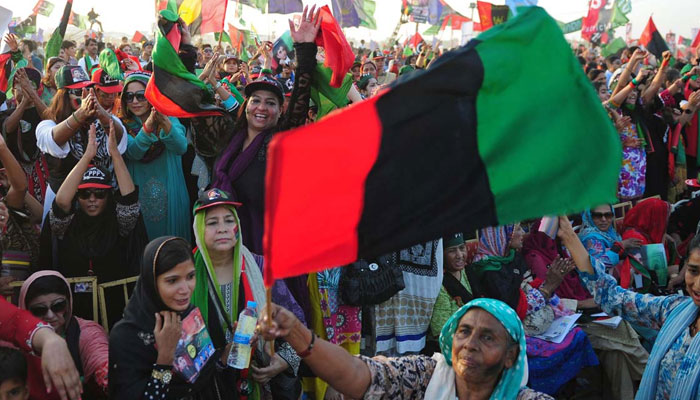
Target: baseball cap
<point x="106" y="83"/>
<point x="72" y="77"/>
<point x="213" y="197"/>
<point x="265" y="82"/>
<point x="96" y="178"/>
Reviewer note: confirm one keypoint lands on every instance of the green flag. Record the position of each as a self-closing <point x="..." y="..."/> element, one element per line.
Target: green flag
<point x="613" y="47"/>
<point x="53" y="47"/>
<point x="226" y="37"/>
<point x="326" y="97"/>
<point x="432" y="31"/>
<point x="618" y="17"/>
<point x="366" y="14"/>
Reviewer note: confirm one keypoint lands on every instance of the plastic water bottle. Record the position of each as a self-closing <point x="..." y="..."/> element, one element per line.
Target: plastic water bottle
<point x="239" y="357"/>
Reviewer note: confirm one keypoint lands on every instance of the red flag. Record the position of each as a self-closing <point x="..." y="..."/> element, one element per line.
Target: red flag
<point x="237" y="38"/>
<point x="213" y="15"/>
<point x="414" y="41"/>
<point x="652" y="40"/>
<point x="138" y="37"/>
<point x="484" y="14"/>
<point x="5" y="70"/>
<point x="339" y="55"/>
<point x="696" y="42"/>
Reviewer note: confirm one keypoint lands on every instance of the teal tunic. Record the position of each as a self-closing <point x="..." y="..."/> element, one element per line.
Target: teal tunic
<point x="162" y="190"/>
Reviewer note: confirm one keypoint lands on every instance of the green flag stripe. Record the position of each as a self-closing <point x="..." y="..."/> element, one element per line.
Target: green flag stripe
<point x="167" y="59"/>
<point x="510" y="114"/>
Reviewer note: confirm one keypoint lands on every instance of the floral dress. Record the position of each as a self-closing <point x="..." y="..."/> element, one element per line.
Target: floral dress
<point x="632" y="181"/>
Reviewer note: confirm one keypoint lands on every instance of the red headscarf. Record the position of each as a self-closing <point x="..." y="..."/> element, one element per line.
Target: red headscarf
<point x="648" y="218"/>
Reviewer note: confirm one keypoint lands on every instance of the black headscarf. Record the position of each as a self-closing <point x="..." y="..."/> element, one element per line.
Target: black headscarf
<point x="132" y="351"/>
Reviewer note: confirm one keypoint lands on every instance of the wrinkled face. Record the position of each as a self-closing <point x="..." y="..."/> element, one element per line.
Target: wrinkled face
<point x="369" y="69"/>
<point x="13" y="389"/>
<point x="481" y="348"/>
<point x="105" y="99"/>
<point x="692" y="276"/>
<point x="603" y="217"/>
<point x="603" y="92"/>
<point x="138" y="105"/>
<point x="175" y="286"/>
<point x="92" y="201"/>
<point x="92" y="48"/>
<point x="263" y="110"/>
<point x="231" y="66"/>
<point x="51" y="308"/>
<point x="456" y="258"/>
<point x="221" y="230"/>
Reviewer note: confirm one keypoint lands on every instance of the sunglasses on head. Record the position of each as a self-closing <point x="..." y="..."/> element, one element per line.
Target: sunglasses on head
<point x="85" y="194"/>
<point x="40" y="310"/>
<point x="138" y="96"/>
<point x="599" y="215"/>
<point x="76" y="92"/>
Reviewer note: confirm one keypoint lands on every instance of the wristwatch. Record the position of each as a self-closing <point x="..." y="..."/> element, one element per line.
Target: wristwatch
<point x="163" y="376"/>
<point x="218" y="85"/>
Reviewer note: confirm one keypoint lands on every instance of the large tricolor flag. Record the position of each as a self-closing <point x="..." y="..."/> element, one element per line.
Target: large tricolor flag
<point x="469" y="143"/>
<point x="491" y="14"/>
<point x="172" y="89"/>
<point x="339" y="55"/>
<point x="652" y="40"/>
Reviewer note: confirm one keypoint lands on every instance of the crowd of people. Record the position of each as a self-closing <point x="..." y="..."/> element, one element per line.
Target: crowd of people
<point x="96" y="182"/>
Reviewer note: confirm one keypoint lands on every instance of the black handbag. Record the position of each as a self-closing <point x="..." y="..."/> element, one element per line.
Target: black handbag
<point x="369" y="282"/>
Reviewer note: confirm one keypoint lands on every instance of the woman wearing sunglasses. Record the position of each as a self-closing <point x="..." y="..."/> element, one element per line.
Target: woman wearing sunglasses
<point x="600" y="238"/>
<point x="154" y="158"/>
<point x="47" y="295"/>
<point x="93" y="231"/>
<point x="63" y="136"/>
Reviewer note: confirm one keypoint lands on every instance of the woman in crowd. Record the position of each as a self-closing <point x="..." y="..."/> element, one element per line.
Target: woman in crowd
<point x="368" y="86"/>
<point x="49" y="79"/>
<point x="20" y="238"/>
<point x="671" y="372"/>
<point x="142" y="345"/>
<point x="369" y="68"/>
<point x="224" y="266"/>
<point x="63" y="136"/>
<point x="647" y="223"/>
<point x="154" y="158"/>
<point x="47" y="295"/>
<point x="502" y="273"/>
<point x="19" y="125"/>
<point x="482" y="354"/>
<point x="600" y="238"/>
<point x="455" y="291"/>
<point x="91" y="230"/>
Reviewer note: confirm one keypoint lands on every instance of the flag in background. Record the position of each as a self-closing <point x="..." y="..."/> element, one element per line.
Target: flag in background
<point x="602" y="18"/>
<point x="53" y="47"/>
<point x="490" y="14"/>
<point x="138" y="37"/>
<point x="259" y="4"/>
<point x="226" y="38"/>
<point x="652" y="40"/>
<point x="614" y="47"/>
<point x="172" y="89"/>
<point x="22" y="27"/>
<point x="284" y="6"/>
<point x="696" y="41"/>
<point x="339" y="55"/>
<point x="77" y="20"/>
<point x="202" y="16"/>
<point x="684" y="41"/>
<point x="456" y="141"/>
<point x="43" y="7"/>
<point x="353" y="13"/>
<point x="5" y="70"/>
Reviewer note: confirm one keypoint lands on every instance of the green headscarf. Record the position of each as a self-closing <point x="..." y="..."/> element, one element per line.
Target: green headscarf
<point x="512" y="379"/>
<point x="204" y="267"/>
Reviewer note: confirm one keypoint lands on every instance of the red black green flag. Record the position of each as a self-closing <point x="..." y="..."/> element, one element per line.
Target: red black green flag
<point x="5" y="70"/>
<point x="652" y="40"/>
<point x="53" y="47"/>
<point x="490" y="14"/>
<point x="469" y="150"/>
<point x="172" y="89"/>
<point x="202" y="16"/>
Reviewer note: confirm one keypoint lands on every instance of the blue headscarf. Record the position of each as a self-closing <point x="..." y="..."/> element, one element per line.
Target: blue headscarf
<point x="512" y="379"/>
<point x="590" y="230"/>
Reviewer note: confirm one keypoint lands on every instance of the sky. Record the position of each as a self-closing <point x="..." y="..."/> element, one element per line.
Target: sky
<point x="127" y="16"/>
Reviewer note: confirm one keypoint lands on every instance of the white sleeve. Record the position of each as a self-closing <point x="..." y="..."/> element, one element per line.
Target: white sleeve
<point x="81" y="63"/>
<point x="124" y="141"/>
<point x="45" y="142"/>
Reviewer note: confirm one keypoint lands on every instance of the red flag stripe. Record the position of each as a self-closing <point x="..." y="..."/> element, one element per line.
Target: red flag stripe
<point x="696" y="42"/>
<point x="336" y="180"/>
<point x="339" y="55"/>
<point x="213" y="15"/>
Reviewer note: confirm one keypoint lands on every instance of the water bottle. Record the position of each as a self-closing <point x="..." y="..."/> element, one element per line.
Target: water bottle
<point x="239" y="357"/>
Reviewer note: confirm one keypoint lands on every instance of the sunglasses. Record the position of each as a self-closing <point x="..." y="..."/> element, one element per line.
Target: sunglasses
<point x="76" y="92"/>
<point x="599" y="215"/>
<point x="40" y="310"/>
<point x="86" y="193"/>
<point x="138" y="96"/>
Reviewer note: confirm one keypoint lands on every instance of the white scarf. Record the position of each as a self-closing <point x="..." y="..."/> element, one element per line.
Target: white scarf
<point x="442" y="383"/>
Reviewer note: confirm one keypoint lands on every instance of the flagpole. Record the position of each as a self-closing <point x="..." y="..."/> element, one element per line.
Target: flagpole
<point x="223" y="24"/>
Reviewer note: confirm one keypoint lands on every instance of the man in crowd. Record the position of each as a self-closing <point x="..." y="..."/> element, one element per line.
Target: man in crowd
<point x="28" y="49"/>
<point x="69" y="48"/>
<point x="90" y="60"/>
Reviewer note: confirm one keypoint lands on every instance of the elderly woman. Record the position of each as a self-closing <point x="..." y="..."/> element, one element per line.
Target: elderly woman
<point x="600" y="238"/>
<point x="47" y="295"/>
<point x="672" y="370"/>
<point x="482" y="356"/>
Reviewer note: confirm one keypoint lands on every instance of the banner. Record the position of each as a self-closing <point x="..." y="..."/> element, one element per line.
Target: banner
<point x="603" y="15"/>
<point x="572" y="26"/>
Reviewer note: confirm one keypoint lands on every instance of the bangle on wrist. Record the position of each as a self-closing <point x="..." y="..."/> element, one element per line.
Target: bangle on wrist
<point x="76" y="118"/>
<point x="307" y="352"/>
<point x="67" y="121"/>
<point x="145" y="129"/>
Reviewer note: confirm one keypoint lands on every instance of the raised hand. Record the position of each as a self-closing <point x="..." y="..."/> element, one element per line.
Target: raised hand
<point x="308" y="27"/>
<point x="11" y="41"/>
<point x="91" y="148"/>
<point x="112" y="144"/>
<point x="167" y="332"/>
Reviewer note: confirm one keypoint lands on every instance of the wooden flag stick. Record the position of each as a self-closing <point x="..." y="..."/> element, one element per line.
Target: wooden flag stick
<point x="269" y="318"/>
